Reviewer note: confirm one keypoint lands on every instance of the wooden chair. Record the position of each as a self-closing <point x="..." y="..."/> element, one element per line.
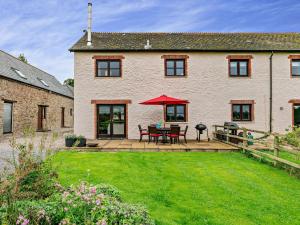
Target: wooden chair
<point x="183" y="133"/>
<point x="143" y="132"/>
<point x="174" y="134"/>
<point x="153" y="133"/>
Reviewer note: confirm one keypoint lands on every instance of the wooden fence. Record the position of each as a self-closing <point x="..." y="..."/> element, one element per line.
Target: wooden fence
<point x="262" y="139"/>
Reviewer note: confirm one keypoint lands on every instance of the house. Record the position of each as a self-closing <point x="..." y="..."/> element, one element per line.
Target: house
<point x="32" y="98"/>
<point x="252" y="79"/>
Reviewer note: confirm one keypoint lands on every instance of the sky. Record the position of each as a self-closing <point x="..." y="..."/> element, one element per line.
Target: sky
<point x="44" y="30"/>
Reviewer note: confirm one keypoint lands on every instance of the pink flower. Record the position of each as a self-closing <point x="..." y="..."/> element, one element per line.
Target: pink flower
<point x="93" y="190"/>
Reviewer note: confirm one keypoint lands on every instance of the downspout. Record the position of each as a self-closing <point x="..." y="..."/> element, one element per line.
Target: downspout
<point x="271" y="92"/>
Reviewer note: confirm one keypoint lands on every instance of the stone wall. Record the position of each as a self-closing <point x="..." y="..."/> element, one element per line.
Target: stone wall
<point x="26" y="99"/>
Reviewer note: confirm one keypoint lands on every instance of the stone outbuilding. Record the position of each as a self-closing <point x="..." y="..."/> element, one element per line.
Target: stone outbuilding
<point x="32" y="98"/>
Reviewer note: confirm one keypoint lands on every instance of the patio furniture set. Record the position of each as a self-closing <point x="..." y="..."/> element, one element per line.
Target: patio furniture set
<point x="172" y="133"/>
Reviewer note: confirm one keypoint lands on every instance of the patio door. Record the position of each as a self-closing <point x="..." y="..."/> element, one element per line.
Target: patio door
<point x="111" y="121"/>
<point x="296" y="115"/>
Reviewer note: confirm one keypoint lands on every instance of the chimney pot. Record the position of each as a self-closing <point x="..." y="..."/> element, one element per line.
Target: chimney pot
<point x="89" y="28"/>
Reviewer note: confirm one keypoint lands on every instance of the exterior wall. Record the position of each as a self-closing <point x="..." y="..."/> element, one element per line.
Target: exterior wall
<point x="207" y="86"/>
<point x="25" y="106"/>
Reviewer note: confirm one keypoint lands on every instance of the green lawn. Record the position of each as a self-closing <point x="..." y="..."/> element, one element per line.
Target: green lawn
<point x="192" y="188"/>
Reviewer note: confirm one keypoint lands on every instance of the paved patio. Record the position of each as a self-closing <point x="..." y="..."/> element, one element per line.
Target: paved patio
<point x="135" y="145"/>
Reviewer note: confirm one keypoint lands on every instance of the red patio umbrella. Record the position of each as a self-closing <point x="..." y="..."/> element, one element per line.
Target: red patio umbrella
<point x="164" y="100"/>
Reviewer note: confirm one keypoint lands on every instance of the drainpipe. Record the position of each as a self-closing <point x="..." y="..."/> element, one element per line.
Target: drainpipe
<point x="271" y="92"/>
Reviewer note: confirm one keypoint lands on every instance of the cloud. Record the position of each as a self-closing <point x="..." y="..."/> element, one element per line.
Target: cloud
<point x="44" y="30"/>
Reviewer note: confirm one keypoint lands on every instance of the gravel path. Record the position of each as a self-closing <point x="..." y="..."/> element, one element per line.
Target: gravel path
<point x="6" y="150"/>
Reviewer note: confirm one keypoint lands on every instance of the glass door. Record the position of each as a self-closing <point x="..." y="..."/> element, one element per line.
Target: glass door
<point x="296" y="115"/>
<point x="7" y="120"/>
<point x="111" y="121"/>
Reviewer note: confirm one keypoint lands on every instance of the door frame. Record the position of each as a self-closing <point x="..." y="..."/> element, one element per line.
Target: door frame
<point x="112" y="136"/>
<point x="125" y="102"/>
<point x="62" y="117"/>
<point x="44" y="117"/>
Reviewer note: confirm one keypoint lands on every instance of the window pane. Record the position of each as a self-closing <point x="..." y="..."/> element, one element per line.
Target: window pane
<point x="236" y="112"/>
<point x="170" y="64"/>
<point x="179" y="64"/>
<point x="179" y="72"/>
<point x="114" y="72"/>
<point x="115" y="64"/>
<point x="102" y="64"/>
<point x="103" y="72"/>
<point x="296" y="68"/>
<point x="233" y="68"/>
<point x="170" y="113"/>
<point x="180" y="117"/>
<point x="246" y="112"/>
<point x="243" y="68"/>
<point x="170" y="72"/>
<point x="180" y="109"/>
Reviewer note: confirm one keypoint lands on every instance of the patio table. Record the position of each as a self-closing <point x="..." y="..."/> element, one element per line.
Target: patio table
<point x="164" y="131"/>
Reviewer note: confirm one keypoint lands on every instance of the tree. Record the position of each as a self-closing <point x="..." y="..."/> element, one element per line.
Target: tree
<point x="22" y="58"/>
<point x="69" y="81"/>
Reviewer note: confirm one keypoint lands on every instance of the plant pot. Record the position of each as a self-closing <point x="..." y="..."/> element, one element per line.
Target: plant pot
<point x="82" y="142"/>
<point x="69" y="142"/>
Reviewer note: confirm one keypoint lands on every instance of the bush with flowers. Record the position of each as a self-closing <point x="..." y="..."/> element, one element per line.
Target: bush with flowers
<point x="30" y="194"/>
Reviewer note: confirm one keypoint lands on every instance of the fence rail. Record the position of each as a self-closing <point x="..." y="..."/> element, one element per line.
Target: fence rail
<point x="268" y="140"/>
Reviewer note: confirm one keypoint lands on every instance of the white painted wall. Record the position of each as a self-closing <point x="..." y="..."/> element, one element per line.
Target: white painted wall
<point x="207" y="87"/>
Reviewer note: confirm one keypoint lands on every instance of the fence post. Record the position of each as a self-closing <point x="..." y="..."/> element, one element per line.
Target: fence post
<point x="227" y="133"/>
<point x="244" y="141"/>
<point x="276" y="148"/>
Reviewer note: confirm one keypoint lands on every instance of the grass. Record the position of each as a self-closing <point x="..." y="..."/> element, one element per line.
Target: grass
<point x="192" y="188"/>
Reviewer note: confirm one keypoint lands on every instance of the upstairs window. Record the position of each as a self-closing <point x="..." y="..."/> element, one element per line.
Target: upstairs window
<point x="176" y="113"/>
<point x="108" y="68"/>
<point x="239" y="68"/>
<point x="239" y="65"/>
<point x="175" y="67"/>
<point x="295" y="64"/>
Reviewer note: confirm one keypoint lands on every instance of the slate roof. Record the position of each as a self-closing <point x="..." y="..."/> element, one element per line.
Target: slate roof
<point x="106" y="41"/>
<point x="9" y="63"/>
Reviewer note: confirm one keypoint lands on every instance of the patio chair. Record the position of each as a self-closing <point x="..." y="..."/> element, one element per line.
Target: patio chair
<point x="174" y="134"/>
<point x="143" y="132"/>
<point x="153" y="133"/>
<point x="183" y="133"/>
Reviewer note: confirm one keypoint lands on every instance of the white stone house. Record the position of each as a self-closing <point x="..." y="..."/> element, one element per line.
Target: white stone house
<point x="249" y="78"/>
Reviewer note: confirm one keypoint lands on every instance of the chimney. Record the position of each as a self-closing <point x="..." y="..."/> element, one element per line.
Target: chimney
<point x="89" y="28"/>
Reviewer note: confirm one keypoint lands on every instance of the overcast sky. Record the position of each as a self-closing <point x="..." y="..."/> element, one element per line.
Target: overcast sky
<point x="45" y="30"/>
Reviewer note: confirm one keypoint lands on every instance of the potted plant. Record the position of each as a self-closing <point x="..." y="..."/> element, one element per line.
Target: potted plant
<point x="81" y="141"/>
<point x="70" y="140"/>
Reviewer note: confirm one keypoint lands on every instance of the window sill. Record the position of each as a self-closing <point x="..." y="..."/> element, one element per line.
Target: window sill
<point x="175" y="76"/>
<point x="295" y="76"/>
<point x="176" y="122"/>
<point x="239" y="76"/>
<point x="106" y="77"/>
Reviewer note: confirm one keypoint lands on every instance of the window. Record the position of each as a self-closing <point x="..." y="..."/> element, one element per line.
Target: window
<point x="238" y="68"/>
<point x="108" y="68"/>
<point x="295" y="67"/>
<point x="19" y="73"/>
<point x="43" y="82"/>
<point x="71" y="112"/>
<point x="175" y="67"/>
<point x="242" y="112"/>
<point x="176" y="113"/>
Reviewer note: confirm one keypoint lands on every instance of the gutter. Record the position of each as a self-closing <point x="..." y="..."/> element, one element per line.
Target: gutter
<point x="271" y="92"/>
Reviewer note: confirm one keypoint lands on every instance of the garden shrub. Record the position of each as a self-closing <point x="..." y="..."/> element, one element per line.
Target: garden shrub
<point x="31" y="194"/>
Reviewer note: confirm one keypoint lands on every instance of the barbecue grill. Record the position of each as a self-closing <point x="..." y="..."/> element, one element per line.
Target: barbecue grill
<point x="199" y="129"/>
<point x="233" y="127"/>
